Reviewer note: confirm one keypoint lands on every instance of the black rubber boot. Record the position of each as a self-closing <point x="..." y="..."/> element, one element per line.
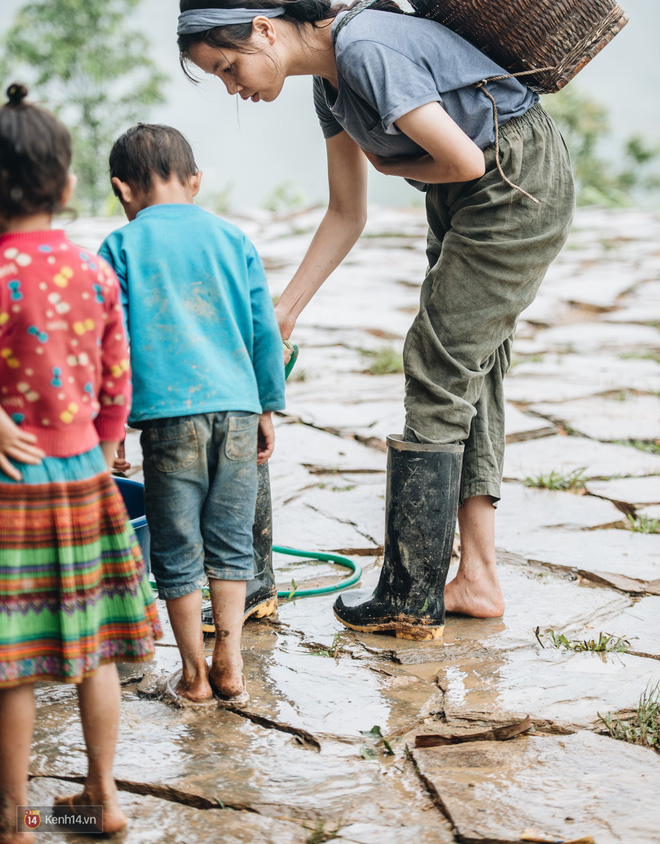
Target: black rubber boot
<point x="423" y="483"/>
<point x="261" y="591"/>
<point x="261" y="595"/>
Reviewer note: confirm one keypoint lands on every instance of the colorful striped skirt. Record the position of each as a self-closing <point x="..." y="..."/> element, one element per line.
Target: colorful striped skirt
<point x="73" y="589"/>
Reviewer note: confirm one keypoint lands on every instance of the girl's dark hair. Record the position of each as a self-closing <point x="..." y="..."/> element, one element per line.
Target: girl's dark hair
<point x="35" y="156"/>
<point x="234" y="37"/>
<point x="148" y="150"/>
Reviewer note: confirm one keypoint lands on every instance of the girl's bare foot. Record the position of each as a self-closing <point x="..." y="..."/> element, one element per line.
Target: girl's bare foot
<point x="114" y="820"/>
<point x="8" y="834"/>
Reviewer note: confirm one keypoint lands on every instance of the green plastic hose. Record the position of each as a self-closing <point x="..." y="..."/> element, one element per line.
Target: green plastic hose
<point x="326" y="558"/>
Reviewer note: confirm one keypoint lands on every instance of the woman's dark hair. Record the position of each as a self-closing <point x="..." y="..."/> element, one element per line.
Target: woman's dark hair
<point x="35" y="156"/>
<point x="235" y="36"/>
<point x="148" y="150"/>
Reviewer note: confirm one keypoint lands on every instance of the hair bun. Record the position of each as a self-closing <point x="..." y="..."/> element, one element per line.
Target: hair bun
<point x="16" y="93"/>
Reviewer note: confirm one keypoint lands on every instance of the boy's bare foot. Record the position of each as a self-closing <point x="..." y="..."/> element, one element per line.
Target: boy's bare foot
<point x="227" y="677"/>
<point x="195" y="688"/>
<point x="478" y="598"/>
<point x="114" y="820"/>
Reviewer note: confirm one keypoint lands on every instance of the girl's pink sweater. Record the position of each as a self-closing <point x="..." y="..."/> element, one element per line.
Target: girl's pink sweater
<point x="64" y="373"/>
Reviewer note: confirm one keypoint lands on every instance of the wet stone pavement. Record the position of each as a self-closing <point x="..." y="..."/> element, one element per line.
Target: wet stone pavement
<point x="302" y="763"/>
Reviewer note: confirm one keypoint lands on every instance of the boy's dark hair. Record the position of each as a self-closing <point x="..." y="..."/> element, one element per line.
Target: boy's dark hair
<point x="35" y="156"/>
<point x="148" y="149"/>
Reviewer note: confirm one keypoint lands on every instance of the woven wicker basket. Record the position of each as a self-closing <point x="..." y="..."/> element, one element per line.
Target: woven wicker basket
<point x="522" y="35"/>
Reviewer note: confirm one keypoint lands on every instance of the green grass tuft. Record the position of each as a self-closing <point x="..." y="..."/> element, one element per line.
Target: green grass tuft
<point x="643" y="727"/>
<point x="643" y="524"/>
<point x="565" y="481"/>
<point x="606" y="642"/>
<point x="384" y="361"/>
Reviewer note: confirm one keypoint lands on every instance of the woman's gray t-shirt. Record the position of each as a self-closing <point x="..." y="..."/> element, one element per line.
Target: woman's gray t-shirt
<point x="390" y="64"/>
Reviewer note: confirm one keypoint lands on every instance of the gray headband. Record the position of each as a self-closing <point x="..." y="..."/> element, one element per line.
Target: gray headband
<point x="200" y="20"/>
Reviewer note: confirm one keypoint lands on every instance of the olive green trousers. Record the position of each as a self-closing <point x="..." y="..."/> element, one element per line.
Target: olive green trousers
<point x="489" y="247"/>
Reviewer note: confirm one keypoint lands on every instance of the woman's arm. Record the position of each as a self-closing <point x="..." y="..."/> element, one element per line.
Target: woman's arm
<point x="452" y="155"/>
<point x="339" y="230"/>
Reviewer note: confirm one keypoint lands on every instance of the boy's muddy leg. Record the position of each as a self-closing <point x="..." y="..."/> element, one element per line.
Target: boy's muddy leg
<point x="475" y="590"/>
<point x="16" y="724"/>
<point x="228" y="600"/>
<point x="186" y="618"/>
<point x="99" y="699"/>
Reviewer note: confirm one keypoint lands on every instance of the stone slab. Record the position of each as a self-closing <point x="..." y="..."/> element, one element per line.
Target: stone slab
<point x="556" y="688"/>
<point x="623" y="552"/>
<point x="524" y="509"/>
<point x="521" y="426"/>
<point x="564" y="787"/>
<point x="362" y="507"/>
<point x="534" y="598"/>
<point x="640" y="624"/>
<point x="323" y="451"/>
<point x="155" y="820"/>
<point x="590" y="337"/>
<point x="604" y="372"/>
<point x="599" y="286"/>
<point x="299" y="525"/>
<point x="633" y="491"/>
<point x="607" y="418"/>
<point x="224" y="757"/>
<point x="566" y="454"/>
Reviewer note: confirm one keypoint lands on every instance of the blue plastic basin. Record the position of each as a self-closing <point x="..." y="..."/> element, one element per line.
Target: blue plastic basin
<point x="133" y="494"/>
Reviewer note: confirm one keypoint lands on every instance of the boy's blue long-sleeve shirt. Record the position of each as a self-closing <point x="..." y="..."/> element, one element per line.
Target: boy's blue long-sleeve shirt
<point x="199" y="315"/>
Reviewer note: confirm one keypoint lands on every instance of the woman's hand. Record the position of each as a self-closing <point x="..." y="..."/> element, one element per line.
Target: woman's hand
<point x="17" y="445"/>
<point x="265" y="438"/>
<point x="286" y="322"/>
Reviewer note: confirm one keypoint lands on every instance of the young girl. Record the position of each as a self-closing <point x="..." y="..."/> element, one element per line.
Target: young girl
<point x="409" y="96"/>
<point x="73" y="596"/>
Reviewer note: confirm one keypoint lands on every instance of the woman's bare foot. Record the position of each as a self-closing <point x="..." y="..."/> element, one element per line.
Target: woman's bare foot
<point x="478" y="596"/>
<point x="114" y="820"/>
<point x="475" y="591"/>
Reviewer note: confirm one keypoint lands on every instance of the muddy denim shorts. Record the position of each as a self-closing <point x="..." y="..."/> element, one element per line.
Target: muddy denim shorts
<point x="200" y="479"/>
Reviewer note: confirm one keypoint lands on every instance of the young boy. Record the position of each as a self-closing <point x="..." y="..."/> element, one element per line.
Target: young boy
<point x="206" y="356"/>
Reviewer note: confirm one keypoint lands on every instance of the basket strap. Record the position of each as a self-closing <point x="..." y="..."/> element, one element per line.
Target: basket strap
<point x="360" y="7"/>
<point x="482" y="87"/>
<point x="364" y="4"/>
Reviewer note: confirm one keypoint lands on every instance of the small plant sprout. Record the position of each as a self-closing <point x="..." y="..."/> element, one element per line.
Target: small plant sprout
<point x="647" y="446"/>
<point x="376" y="744"/>
<point x="643" y="524"/>
<point x="606" y="642"/>
<point x="321" y="834"/>
<point x="572" y="481"/>
<point x="643" y="726"/>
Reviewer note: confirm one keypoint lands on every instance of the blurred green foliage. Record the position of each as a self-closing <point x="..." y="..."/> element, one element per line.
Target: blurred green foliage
<point x="284" y="198"/>
<point x="82" y="60"/>
<point x="584" y="124"/>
